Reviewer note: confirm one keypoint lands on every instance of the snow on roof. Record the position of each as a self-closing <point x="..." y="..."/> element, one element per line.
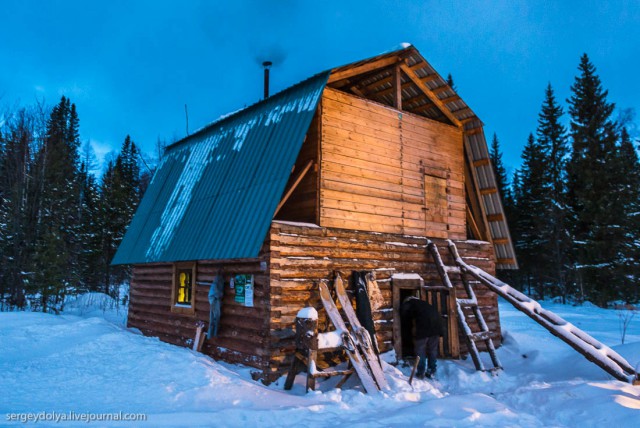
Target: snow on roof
<point x="226" y="179"/>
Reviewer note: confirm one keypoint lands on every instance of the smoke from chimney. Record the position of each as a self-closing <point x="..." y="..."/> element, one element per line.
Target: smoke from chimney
<point x="267" y="66"/>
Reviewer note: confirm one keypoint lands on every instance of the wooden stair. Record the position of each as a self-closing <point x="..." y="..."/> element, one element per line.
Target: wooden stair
<point x="594" y="351"/>
<point x="470" y="315"/>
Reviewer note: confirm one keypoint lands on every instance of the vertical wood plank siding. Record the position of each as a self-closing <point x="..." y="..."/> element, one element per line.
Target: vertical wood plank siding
<point x="302" y="206"/>
<point x="373" y="162"/>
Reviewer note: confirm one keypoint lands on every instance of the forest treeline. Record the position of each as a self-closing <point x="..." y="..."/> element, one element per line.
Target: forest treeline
<point x="573" y="206"/>
<point x="59" y="224"/>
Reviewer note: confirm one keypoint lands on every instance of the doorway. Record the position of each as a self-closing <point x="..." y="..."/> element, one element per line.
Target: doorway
<point x="403" y="286"/>
<point x="406" y="285"/>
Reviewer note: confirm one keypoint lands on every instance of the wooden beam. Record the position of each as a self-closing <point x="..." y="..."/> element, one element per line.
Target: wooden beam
<point x="357" y="91"/>
<point x="441" y="89"/>
<point x="418" y="65"/>
<point x="418" y="97"/>
<point x="471" y="185"/>
<point x="481" y="162"/>
<point x="293" y="186"/>
<point x="450" y="99"/>
<point x="416" y="79"/>
<point x="495" y="217"/>
<point x="430" y="78"/>
<point x="501" y="241"/>
<point x="389" y="90"/>
<point x="472" y="224"/>
<point x="364" y="68"/>
<point x="488" y="190"/>
<point x="468" y="119"/>
<point x="397" y="86"/>
<point x="474" y="131"/>
<point x="466" y="109"/>
<point x="378" y="83"/>
<point x="506" y="261"/>
<point x="426" y="106"/>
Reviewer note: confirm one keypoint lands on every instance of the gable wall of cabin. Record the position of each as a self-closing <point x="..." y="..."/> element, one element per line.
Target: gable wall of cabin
<point x="373" y="164"/>
<point x="302" y="205"/>
<point x="301" y="256"/>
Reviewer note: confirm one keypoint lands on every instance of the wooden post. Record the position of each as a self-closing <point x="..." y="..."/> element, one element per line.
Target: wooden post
<point x="306" y="348"/>
<point x="397" y="87"/>
<point x="452" y="313"/>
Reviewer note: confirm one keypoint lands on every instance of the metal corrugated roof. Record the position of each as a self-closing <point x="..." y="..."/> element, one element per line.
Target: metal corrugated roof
<point x="215" y="192"/>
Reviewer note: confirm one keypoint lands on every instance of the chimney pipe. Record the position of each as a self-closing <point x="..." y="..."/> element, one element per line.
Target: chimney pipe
<point x="267" y="65"/>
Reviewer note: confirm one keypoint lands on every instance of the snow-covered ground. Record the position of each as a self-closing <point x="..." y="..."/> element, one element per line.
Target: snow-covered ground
<point x="87" y="361"/>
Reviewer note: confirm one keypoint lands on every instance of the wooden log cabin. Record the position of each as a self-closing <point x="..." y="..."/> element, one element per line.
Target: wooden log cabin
<point x="350" y="170"/>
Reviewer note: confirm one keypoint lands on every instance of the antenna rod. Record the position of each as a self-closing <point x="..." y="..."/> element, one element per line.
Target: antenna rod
<point x="186" y="114"/>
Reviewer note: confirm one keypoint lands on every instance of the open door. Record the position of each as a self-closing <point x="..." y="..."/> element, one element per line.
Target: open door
<point x="405" y="285"/>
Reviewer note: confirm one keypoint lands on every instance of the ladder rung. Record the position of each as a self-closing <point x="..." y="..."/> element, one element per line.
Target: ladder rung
<point x="468" y="303"/>
<point x="329" y="373"/>
<point x="479" y="336"/>
<point x="452" y="269"/>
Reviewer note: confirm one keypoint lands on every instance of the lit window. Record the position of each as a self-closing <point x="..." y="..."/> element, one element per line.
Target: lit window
<point x="184" y="287"/>
<point x="183" y="290"/>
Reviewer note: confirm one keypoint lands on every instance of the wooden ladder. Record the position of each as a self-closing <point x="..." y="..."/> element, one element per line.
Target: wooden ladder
<point x="594" y="351"/>
<point x="472" y="313"/>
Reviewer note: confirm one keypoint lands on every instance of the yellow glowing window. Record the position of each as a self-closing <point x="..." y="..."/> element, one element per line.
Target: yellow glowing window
<point x="183" y="288"/>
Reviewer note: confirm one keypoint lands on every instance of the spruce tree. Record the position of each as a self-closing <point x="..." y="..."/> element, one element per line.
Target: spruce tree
<point x="58" y="244"/>
<point x="120" y="197"/>
<point x="450" y="82"/>
<point x="591" y="189"/>
<point x="499" y="170"/>
<point x="530" y="221"/>
<point x="90" y="231"/>
<point x="552" y="138"/>
<point x="626" y="233"/>
<point x="17" y="138"/>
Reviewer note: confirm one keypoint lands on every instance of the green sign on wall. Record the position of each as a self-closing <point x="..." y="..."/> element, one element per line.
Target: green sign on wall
<point x="243" y="285"/>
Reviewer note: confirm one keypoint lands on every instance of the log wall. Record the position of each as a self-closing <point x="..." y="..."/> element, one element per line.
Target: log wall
<point x="301" y="256"/>
<point x="243" y="332"/>
<point x="294" y="258"/>
<point x="373" y="162"/>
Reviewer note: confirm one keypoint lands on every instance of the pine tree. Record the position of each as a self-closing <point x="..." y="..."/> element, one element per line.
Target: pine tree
<point x="552" y="138"/>
<point x="591" y="190"/>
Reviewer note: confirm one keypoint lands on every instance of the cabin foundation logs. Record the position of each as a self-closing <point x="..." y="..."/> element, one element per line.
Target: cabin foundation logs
<point x="294" y="258"/>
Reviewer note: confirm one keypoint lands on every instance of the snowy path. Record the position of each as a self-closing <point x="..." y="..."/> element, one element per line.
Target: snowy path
<point x="87" y="364"/>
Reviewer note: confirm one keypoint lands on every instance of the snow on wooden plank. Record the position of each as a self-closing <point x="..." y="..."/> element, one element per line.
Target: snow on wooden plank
<point x="596" y="352"/>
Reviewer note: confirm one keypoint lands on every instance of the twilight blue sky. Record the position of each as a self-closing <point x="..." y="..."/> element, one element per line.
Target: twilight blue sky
<point x="131" y="66"/>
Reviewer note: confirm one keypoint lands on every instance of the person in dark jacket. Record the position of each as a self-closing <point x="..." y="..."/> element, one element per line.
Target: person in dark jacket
<point x="428" y="330"/>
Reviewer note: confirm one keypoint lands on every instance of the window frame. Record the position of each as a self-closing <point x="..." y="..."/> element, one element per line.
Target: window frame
<point x="182" y="308"/>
